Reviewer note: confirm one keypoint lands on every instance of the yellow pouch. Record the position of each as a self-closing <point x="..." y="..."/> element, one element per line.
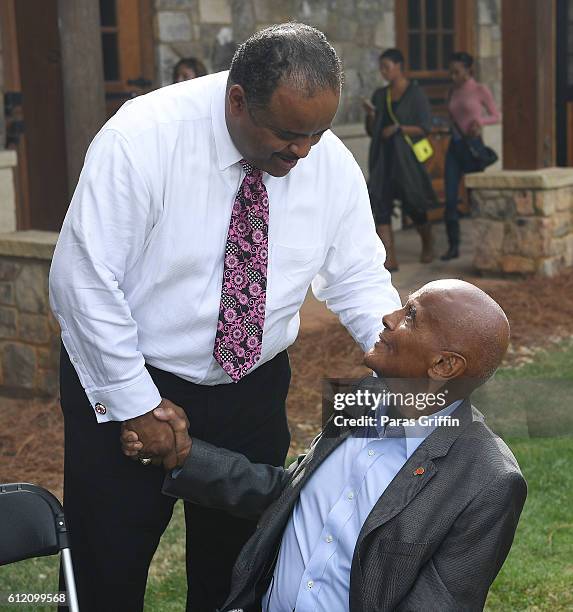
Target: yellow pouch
<point x="422" y="149"/>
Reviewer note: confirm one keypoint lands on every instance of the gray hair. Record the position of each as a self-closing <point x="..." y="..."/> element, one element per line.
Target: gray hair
<point x="290" y="53"/>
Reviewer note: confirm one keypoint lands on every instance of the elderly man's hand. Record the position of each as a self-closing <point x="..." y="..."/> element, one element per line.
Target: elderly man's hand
<point x="169" y="415"/>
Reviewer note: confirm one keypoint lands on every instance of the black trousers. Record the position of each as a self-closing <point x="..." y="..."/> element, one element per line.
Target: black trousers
<point x="115" y="510"/>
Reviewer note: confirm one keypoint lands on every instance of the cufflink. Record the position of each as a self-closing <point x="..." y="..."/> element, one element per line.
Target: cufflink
<point x="100" y="408"/>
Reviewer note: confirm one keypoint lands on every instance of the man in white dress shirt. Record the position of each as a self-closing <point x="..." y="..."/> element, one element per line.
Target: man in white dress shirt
<point x="203" y="213"/>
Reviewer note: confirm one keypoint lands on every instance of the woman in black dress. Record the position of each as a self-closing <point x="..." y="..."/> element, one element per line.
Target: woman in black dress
<point x="395" y="173"/>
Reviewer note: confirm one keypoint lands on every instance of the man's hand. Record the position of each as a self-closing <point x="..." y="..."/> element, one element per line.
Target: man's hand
<point x="175" y="419"/>
<point x="156" y="437"/>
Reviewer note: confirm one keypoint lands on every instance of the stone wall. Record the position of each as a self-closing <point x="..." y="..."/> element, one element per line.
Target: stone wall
<point x="358" y="29"/>
<point x="523" y="221"/>
<point x="29" y="334"/>
<point x="211" y="30"/>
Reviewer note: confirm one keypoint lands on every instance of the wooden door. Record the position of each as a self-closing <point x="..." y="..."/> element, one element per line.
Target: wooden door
<point x="34" y="110"/>
<point x="127" y="45"/>
<point x="427" y="33"/>
<point x="564" y="82"/>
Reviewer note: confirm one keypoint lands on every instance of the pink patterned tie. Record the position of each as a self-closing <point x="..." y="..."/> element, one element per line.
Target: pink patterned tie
<point x="244" y="292"/>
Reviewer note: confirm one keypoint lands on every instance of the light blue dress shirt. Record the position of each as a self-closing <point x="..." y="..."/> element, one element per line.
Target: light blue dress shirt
<point x="313" y="568"/>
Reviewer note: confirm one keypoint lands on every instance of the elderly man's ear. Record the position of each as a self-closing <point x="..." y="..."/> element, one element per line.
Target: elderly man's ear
<point x="447" y="366"/>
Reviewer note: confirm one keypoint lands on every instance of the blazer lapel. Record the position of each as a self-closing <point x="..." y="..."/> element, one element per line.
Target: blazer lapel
<point x="330" y="438"/>
<point x="417" y="472"/>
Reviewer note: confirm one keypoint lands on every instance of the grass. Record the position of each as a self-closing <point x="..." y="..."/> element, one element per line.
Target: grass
<point x="538" y="573"/>
<point x="30" y="576"/>
<point x="532" y="400"/>
<point x="167" y="584"/>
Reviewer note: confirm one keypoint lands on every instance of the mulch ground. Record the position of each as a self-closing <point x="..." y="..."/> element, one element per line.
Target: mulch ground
<point x="540" y="312"/>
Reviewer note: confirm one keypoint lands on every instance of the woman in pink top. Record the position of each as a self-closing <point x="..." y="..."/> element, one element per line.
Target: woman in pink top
<point x="471" y="106"/>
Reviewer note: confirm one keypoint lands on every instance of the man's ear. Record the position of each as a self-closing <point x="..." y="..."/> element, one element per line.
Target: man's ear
<point x="237" y="100"/>
<point x="447" y="366"/>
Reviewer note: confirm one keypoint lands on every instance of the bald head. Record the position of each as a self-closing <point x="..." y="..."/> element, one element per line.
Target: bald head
<point x="449" y="336"/>
<point x="449" y="332"/>
<point x="466" y="320"/>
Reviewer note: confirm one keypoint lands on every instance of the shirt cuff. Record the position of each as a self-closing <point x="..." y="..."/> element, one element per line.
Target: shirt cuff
<point x="133" y="400"/>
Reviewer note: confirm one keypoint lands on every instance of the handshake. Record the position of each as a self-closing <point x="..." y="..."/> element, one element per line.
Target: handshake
<point x="159" y="437"/>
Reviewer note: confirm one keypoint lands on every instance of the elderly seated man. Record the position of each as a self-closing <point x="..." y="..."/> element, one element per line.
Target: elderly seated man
<point x="398" y="512"/>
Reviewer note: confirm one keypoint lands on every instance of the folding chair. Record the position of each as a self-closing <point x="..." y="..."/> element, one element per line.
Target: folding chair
<point x="32" y="524"/>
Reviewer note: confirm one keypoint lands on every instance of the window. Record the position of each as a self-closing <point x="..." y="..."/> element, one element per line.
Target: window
<point x="127" y="49"/>
<point x="109" y="40"/>
<point x="427" y="33"/>
<point x="430" y="34"/>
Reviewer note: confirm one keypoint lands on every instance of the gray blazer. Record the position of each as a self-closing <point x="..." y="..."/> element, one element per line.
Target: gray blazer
<point x="434" y="540"/>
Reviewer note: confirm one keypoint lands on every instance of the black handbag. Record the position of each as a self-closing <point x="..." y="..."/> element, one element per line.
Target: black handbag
<point x="483" y="156"/>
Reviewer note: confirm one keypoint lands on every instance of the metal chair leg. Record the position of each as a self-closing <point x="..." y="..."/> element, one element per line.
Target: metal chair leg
<point x="70" y="581"/>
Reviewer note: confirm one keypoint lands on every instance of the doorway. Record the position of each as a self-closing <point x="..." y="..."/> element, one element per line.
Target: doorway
<point x="427" y="33"/>
<point x="33" y="106"/>
<point x="127" y="47"/>
<point x="34" y="99"/>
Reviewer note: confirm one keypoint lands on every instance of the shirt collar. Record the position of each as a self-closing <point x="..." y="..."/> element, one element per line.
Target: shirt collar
<point x="415" y="434"/>
<point x="227" y="153"/>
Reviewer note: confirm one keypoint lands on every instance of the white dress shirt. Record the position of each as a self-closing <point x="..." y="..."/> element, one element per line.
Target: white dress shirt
<point x="137" y="272"/>
<point x="312" y="573"/>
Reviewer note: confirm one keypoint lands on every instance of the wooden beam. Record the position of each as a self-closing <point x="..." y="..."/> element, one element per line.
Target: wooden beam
<point x="528" y="56"/>
<point x="83" y="82"/>
<point x="13" y="83"/>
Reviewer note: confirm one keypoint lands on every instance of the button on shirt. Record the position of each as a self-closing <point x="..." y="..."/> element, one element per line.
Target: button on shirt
<point x="137" y="272"/>
<point x="313" y="568"/>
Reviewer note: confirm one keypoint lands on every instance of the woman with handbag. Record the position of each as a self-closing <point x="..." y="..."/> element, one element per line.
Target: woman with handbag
<point x="398" y="120"/>
<point x="467" y="101"/>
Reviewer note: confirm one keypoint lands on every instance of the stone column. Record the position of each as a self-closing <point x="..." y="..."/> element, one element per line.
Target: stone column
<point x="8" y="162"/>
<point x="29" y="333"/>
<point x="523" y="221"/>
